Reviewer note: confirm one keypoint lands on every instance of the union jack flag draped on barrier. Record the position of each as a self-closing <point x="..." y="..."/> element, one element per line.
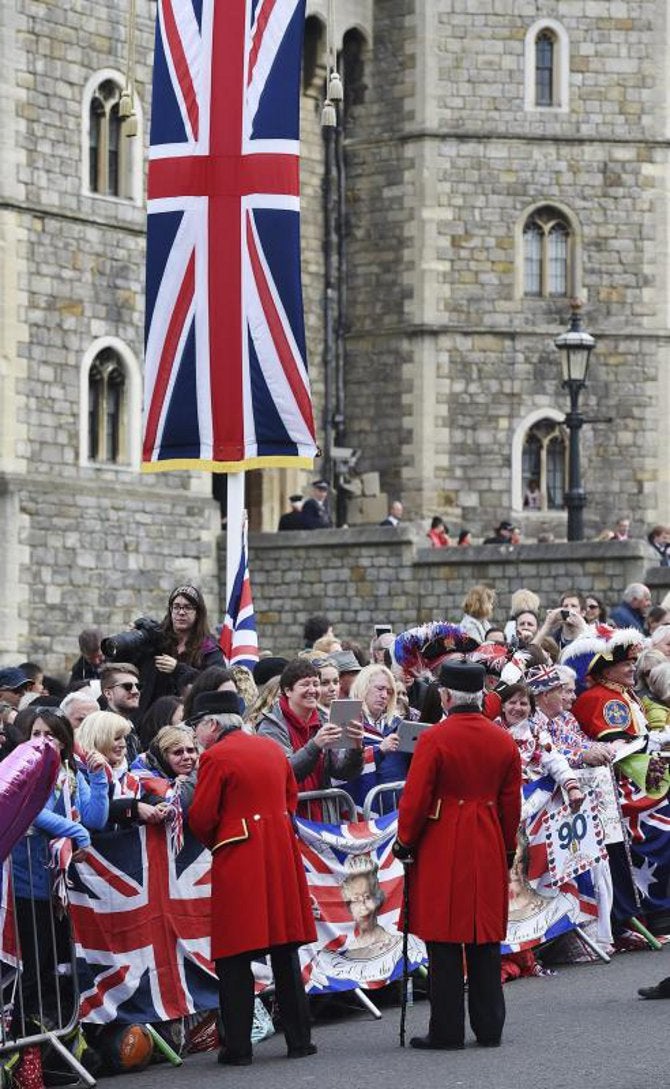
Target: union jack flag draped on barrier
<point x="141" y="920"/>
<point x="238" y="639"/>
<point x="226" y="374"/>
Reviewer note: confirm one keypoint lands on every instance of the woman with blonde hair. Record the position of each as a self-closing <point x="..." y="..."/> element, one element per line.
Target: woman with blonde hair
<point x="382" y="761"/>
<point x="478" y="606"/>
<point x="268" y="694"/>
<point x="106" y="732"/>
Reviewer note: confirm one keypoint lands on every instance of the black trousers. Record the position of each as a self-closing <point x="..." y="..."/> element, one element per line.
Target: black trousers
<point x="486" y="1005"/>
<point x="236" y="997"/>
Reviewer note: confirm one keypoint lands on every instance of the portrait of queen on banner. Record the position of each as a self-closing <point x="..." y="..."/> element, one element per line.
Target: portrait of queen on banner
<point x="356" y="888"/>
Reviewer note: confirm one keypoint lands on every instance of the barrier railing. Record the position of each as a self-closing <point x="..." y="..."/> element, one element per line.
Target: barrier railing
<point x="333" y="806"/>
<point x="39" y="990"/>
<point x="382" y="799"/>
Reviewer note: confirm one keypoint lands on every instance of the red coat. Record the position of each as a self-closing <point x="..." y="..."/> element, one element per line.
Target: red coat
<point x="606" y="712"/>
<point x="460" y="812"/>
<point x="244" y="800"/>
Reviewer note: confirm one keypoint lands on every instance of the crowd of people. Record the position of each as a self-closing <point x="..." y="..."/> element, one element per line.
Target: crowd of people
<point x="572" y="684"/>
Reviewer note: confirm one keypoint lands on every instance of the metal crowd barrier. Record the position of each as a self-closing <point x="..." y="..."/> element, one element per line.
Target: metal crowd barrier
<point x="333" y="806"/>
<point x="382" y="799"/>
<point x="51" y="1011"/>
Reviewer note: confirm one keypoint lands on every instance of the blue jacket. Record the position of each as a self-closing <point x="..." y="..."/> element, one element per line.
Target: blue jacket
<point x="626" y="617"/>
<point x="31" y="875"/>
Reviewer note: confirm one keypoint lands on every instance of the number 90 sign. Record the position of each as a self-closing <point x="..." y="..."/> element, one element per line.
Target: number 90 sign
<point x="572" y="831"/>
<point x="574" y="841"/>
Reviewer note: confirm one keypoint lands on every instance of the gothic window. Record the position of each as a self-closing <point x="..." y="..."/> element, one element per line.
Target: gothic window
<point x="547" y="66"/>
<point x="543" y="466"/>
<point x="547" y="254"/>
<point x="106" y="408"/>
<point x="112" y="159"/>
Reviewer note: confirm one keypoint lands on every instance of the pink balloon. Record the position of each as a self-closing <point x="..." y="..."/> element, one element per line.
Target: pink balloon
<point x="27" y="777"/>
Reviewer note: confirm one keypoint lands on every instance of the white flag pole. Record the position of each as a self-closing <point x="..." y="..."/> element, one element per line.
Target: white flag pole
<point x="234" y="526"/>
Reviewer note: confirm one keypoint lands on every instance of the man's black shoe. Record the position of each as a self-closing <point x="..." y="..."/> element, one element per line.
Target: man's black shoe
<point x="653" y="992"/>
<point x="424" y="1043"/>
<point x="228" y="1058"/>
<point x="302" y="1052"/>
<point x="489" y="1043"/>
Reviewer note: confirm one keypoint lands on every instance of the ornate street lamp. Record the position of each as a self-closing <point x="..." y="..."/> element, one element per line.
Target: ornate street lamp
<point x="576" y="346"/>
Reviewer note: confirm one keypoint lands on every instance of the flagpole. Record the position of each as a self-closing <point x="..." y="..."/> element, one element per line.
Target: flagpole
<point x="234" y="527"/>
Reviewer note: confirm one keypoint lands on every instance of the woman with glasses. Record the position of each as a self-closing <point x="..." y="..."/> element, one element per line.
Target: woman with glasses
<point x="179" y="648"/>
<point x="594" y="610"/>
<point x="165" y="767"/>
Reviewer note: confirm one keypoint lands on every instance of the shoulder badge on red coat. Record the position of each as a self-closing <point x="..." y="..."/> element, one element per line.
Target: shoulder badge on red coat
<point x="617" y="714"/>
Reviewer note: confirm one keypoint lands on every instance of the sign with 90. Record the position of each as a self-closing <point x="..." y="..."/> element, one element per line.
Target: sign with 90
<point x="575" y="841"/>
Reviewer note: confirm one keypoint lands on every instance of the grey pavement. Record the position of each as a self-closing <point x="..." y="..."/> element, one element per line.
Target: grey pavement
<point x="584" y="1027"/>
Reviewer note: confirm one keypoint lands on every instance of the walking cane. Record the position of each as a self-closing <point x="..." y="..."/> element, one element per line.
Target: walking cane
<point x="405" y="949"/>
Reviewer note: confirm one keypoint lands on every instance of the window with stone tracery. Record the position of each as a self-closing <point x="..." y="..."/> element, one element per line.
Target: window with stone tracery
<point x="547" y="255"/>
<point x="543" y="466"/>
<point x="106" y="408"/>
<point x="112" y="159"/>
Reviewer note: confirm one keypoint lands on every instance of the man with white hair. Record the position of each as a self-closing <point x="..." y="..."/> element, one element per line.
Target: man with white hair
<point x="633" y="609"/>
<point x="77" y="705"/>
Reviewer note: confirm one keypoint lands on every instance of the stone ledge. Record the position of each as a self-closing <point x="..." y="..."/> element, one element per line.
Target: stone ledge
<point x="536" y="553"/>
<point x="383" y="536"/>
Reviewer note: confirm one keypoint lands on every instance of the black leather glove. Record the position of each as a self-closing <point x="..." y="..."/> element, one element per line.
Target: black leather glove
<point x="400" y="851"/>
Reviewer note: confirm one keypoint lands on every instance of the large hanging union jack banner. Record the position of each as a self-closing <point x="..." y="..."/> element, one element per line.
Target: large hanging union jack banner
<point x="226" y="374"/>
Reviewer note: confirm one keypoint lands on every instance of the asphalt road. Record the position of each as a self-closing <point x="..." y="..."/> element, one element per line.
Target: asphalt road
<point x="584" y="1027"/>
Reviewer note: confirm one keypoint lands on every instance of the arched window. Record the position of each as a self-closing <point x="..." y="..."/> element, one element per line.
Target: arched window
<point x="544" y="69"/>
<point x="112" y="160"/>
<point x="110" y="389"/>
<point x="547" y="254"/>
<point x="106" y="404"/>
<point x="547" y="66"/>
<point x="543" y="466"/>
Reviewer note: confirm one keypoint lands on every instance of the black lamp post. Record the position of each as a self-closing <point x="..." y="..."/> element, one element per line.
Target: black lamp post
<point x="576" y="346"/>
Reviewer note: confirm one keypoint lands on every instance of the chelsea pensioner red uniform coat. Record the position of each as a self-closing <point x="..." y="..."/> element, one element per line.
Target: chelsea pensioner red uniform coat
<point x="244" y="800"/>
<point x="460" y="812"/>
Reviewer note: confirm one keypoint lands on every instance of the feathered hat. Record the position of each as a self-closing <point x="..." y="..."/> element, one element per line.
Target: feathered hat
<point x="579" y="654"/>
<point x="492" y="656"/>
<point x="624" y="646"/>
<point x="426" y="647"/>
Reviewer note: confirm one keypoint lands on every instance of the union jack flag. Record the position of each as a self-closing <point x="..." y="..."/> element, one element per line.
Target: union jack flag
<point x="226" y="373"/>
<point x="141" y="920"/>
<point x="238" y="639"/>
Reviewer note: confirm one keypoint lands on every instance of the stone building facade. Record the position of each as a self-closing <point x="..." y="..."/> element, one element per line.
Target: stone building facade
<point x="489" y="164"/>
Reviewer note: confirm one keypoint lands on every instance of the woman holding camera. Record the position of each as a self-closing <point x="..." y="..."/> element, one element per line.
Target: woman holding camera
<point x="171" y="654"/>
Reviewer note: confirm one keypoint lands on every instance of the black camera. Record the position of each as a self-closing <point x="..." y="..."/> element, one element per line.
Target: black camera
<point x="146" y="637"/>
<point x="565" y="613"/>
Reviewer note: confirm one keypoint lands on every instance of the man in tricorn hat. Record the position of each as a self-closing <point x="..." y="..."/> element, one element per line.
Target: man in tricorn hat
<point x="458" y="820"/>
